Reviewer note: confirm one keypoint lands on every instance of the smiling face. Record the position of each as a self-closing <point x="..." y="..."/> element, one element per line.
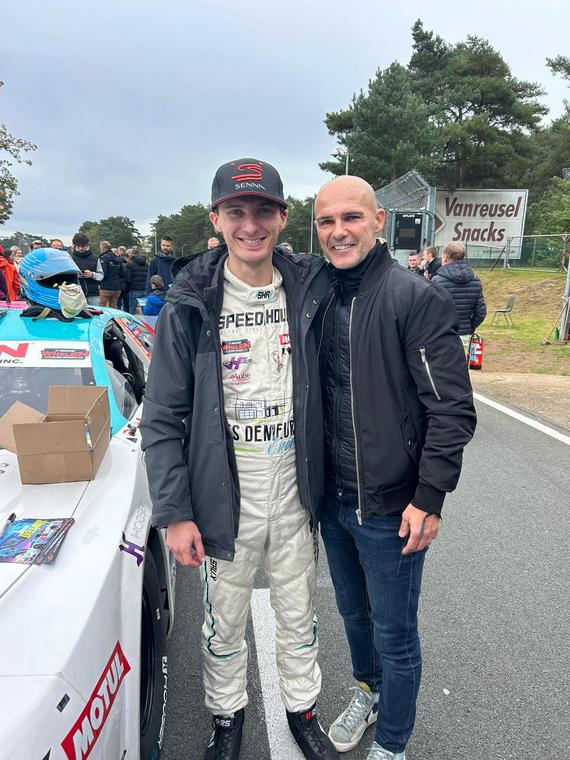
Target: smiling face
<point x="250" y="227"/>
<point x="347" y="220"/>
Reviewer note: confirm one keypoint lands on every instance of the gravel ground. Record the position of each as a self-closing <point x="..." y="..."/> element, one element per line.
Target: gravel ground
<point x="544" y="396"/>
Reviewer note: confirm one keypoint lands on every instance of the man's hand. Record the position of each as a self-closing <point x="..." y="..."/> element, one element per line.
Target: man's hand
<point x="185" y="542"/>
<point x="87" y="273"/>
<point x="421" y="527"/>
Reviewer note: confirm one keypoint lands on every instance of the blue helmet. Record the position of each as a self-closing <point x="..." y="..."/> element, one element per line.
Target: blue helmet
<point x="42" y="272"/>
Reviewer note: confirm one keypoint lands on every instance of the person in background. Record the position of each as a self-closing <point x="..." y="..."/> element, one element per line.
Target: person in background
<point x="156" y="298"/>
<point x="57" y="244"/>
<point x="286" y="246"/>
<point x="465" y="289"/>
<point x="213" y="242"/>
<point x="89" y="264"/>
<point x="136" y="270"/>
<point x="430" y="263"/>
<point x="414" y="263"/>
<point x="123" y="302"/>
<point x="398" y="410"/>
<point x="112" y="281"/>
<point x="161" y="263"/>
<point x="37" y="244"/>
<point x="10" y="280"/>
<point x="16" y="256"/>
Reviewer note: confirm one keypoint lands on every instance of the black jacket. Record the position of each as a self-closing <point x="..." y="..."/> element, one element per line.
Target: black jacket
<point x="188" y="445"/>
<point x="161" y="265"/>
<point x="136" y="271"/>
<point x="433" y="267"/>
<point x="409" y="395"/>
<point x="113" y="276"/>
<point x="467" y="293"/>
<point x="87" y="260"/>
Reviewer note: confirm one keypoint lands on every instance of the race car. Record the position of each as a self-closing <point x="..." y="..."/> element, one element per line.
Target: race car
<point x="83" y="662"/>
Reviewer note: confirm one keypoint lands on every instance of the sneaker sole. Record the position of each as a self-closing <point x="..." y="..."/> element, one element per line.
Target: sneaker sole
<point x="347" y="746"/>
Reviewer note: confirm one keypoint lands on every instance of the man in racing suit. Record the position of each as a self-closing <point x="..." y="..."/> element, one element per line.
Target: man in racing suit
<point x="231" y="427"/>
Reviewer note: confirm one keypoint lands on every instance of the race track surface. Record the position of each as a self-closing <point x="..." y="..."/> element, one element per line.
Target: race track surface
<point x="495" y="622"/>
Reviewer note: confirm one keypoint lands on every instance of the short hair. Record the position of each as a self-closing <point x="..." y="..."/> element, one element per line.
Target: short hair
<point x="134" y="250"/>
<point x="454" y="251"/>
<point x="80" y="238"/>
<point x="157" y="281"/>
<point x="431" y="249"/>
<point x="167" y="238"/>
<point x="105" y="244"/>
<point x="121" y="249"/>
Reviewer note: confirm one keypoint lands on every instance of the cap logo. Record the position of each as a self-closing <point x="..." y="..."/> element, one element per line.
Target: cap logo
<point x="249" y="172"/>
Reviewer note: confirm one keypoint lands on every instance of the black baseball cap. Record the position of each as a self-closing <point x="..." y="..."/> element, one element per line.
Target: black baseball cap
<point x="247" y="176"/>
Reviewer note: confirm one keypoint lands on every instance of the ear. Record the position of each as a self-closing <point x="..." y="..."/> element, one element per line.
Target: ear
<point x="214" y="218"/>
<point x="284" y="217"/>
<point x="379" y="216"/>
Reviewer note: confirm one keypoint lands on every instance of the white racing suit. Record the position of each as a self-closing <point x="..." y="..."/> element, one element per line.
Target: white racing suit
<point x="274" y="531"/>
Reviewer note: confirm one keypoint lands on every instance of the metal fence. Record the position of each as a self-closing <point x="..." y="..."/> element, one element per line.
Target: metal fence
<point x="527" y="251"/>
<point x="410" y="192"/>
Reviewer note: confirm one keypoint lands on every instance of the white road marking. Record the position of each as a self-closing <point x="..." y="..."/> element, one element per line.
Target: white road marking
<point x="281" y="743"/>
<point x="527" y="420"/>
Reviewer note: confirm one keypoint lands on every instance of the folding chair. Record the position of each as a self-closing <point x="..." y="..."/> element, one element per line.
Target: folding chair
<point x="506" y="312"/>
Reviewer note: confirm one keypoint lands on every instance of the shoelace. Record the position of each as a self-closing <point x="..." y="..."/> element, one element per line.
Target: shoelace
<point x="357" y="710"/>
<point x="377" y="753"/>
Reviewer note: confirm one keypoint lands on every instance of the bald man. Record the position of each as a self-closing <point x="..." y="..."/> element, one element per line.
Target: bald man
<point x="398" y="412"/>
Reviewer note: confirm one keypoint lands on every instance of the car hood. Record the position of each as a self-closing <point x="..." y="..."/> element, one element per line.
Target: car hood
<point x="51" y="500"/>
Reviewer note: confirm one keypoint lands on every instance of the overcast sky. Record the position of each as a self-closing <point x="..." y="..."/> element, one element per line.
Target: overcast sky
<point x="133" y="104"/>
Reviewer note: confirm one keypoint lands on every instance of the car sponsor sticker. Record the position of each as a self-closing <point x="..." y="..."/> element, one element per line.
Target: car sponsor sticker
<point x="83" y="736"/>
<point x="236" y="346"/>
<point x="47" y="353"/>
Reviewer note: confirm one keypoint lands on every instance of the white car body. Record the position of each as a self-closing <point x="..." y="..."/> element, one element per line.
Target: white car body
<point x="70" y="637"/>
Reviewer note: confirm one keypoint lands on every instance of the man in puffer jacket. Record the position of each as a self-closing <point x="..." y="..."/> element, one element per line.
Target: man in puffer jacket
<point x="136" y="271"/>
<point x="464" y="287"/>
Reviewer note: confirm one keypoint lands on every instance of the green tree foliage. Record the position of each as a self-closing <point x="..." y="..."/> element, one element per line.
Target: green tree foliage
<point x="391" y="132"/>
<point x="189" y="229"/>
<point x="118" y="230"/>
<point x="298" y="230"/>
<point x="482" y="113"/>
<point x="552" y="213"/>
<point x="15" y="148"/>
<point x="456" y="113"/>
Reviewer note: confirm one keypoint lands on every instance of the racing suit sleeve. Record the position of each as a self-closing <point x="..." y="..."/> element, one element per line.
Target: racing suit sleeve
<point x="436" y="359"/>
<point x="167" y="410"/>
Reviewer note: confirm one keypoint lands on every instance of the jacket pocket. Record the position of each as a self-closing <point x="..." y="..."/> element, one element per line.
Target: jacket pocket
<point x="410" y="438"/>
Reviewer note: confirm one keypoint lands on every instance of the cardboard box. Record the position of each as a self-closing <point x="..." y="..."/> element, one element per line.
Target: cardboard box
<point x="66" y="445"/>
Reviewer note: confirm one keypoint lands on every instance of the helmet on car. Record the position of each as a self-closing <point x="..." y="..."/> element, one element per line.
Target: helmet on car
<point x="43" y="272"/>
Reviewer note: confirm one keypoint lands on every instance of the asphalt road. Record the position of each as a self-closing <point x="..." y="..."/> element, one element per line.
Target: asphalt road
<point x="495" y="622"/>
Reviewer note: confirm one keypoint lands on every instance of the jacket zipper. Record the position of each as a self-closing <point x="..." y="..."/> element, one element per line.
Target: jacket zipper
<point x="323" y="330"/>
<point x="428" y="370"/>
<point x="359" y="510"/>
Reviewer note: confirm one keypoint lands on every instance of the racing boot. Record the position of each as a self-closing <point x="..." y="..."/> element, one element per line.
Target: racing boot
<point x="225" y="742"/>
<point x="312" y="740"/>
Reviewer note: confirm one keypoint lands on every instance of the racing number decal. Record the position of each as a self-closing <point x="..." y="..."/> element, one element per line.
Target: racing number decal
<point x="79" y="742"/>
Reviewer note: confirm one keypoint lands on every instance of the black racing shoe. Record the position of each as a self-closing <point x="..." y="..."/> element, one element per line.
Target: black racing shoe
<point x="225" y="742"/>
<point x="312" y="740"/>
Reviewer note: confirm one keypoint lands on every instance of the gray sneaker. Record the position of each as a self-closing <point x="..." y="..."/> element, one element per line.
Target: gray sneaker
<point x="379" y="753"/>
<point x="347" y="730"/>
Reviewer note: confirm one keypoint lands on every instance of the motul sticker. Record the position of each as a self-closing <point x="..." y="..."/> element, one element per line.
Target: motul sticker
<point x="83" y="736"/>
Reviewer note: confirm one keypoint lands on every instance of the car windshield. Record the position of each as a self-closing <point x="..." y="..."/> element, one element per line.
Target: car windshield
<point x="30" y="384"/>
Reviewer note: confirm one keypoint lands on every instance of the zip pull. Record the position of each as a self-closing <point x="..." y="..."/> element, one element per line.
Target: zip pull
<point x="428" y="371"/>
<point x="359" y="516"/>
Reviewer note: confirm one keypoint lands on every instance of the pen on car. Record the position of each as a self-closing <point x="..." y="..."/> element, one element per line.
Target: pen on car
<point x="9" y="521"/>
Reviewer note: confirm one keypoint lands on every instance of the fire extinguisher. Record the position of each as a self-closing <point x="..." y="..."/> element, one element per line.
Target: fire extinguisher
<point x="476" y="352"/>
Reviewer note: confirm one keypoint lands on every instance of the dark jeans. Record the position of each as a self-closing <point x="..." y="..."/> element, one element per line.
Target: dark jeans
<point x="377" y="592"/>
<point x="133" y="295"/>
